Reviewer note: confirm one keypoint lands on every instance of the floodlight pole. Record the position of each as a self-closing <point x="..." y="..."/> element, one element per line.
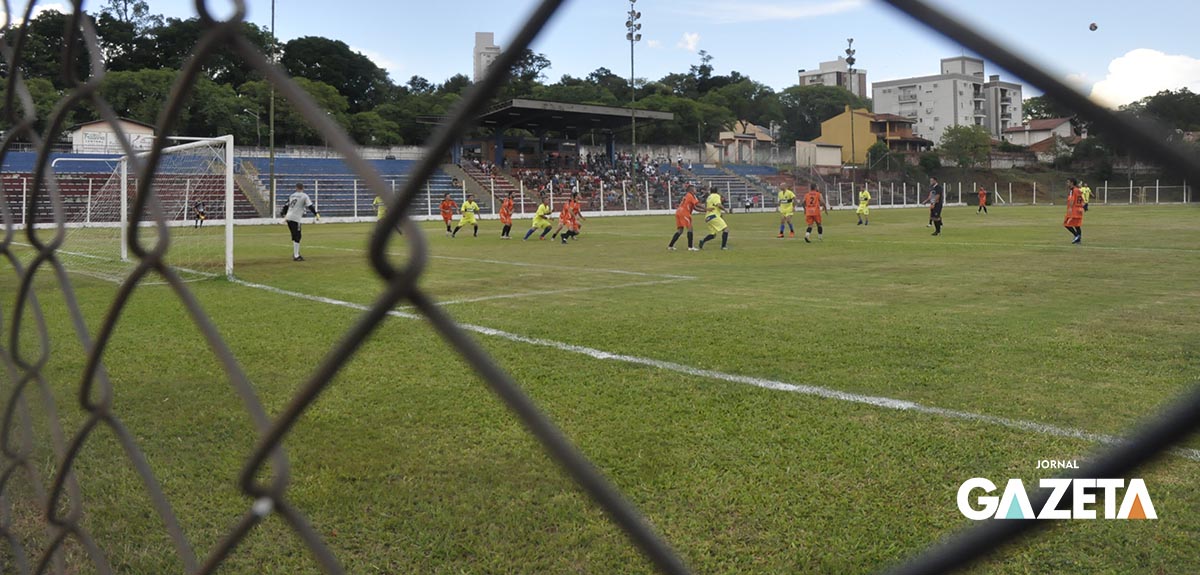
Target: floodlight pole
<point x="631" y="33"/>
<point x="271" y="114"/>
<point x="850" y="88"/>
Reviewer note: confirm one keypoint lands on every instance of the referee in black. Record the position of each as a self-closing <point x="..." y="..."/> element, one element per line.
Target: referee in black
<point x="935" y="200"/>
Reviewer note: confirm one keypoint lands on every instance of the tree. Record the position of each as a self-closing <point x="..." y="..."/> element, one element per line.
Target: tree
<point x="804" y="108"/>
<point x="370" y="129"/>
<point x="457" y="84"/>
<point x="133" y="12"/>
<point x="42" y="50"/>
<point x="524" y="75"/>
<point x="1177" y="110"/>
<point x="968" y="146"/>
<point x="332" y="62"/>
<point x="173" y="42"/>
<point x="419" y="85"/>
<point x="1043" y="108"/>
<point x="876" y="155"/>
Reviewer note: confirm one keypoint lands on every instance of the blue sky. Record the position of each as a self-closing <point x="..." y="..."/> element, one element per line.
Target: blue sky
<point x="1139" y="48"/>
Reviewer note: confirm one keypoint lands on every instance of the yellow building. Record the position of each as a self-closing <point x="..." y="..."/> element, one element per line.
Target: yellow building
<point x="895" y="131"/>
<point x="837" y="131"/>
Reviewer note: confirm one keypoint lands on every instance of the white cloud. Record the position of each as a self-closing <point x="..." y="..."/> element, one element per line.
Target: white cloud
<point x="726" y="12"/>
<point x="653" y="43"/>
<point x="690" y="41"/>
<point x="1080" y="81"/>
<point x="392" y="68"/>
<point x="1145" y="72"/>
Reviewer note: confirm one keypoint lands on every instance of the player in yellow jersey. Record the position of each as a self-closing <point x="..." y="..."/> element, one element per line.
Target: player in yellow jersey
<point x="541" y="219"/>
<point x="712" y="216"/>
<point x="864" y="205"/>
<point x="1086" y="191"/>
<point x="787" y="207"/>
<point x="470" y="213"/>
<point x="380" y="207"/>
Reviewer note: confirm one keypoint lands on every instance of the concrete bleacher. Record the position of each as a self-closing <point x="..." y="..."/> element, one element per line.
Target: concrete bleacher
<point x="339" y="192"/>
<point x="736" y="187"/>
<point x="331" y="183"/>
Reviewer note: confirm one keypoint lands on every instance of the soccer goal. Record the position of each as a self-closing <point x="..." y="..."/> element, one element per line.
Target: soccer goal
<point x="194" y="188"/>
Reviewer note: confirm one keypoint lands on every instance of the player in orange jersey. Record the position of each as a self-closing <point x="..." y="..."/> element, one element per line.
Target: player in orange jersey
<point x="448" y="207"/>
<point x="982" y="200"/>
<point x="683" y="217"/>
<point x="566" y="220"/>
<point x="1074" y="220"/>
<point x="577" y="211"/>
<point x="813" y="202"/>
<point x="506" y="213"/>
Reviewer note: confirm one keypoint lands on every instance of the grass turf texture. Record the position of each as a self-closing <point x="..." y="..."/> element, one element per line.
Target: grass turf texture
<point x="408" y="464"/>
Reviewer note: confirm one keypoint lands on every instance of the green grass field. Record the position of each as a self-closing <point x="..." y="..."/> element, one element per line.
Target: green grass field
<point x="408" y="464"/>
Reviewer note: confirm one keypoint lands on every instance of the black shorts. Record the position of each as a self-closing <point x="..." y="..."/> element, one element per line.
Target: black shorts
<point x="294" y="227"/>
<point x="935" y="211"/>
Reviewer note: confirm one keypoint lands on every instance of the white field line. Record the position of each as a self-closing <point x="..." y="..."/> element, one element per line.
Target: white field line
<point x="526" y="264"/>
<point x="550" y="292"/>
<point x="823" y="392"/>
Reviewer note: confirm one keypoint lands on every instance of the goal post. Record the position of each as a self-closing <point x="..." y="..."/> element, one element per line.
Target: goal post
<point x="193" y="183"/>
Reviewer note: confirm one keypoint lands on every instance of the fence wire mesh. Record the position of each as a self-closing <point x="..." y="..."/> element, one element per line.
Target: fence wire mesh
<point x="265" y="479"/>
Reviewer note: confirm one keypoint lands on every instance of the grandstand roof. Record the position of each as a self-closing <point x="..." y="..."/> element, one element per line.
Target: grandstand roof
<point x="537" y="115"/>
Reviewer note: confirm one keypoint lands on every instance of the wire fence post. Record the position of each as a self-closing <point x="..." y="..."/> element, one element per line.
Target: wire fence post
<point x="603" y="198"/>
<point x="1131" y="192"/>
<point x="356" y="199"/>
<point x="1156" y="192"/>
<point x="647" y="184"/>
<point x="624" y="198"/>
<point x="87" y="216"/>
<point x="428" y="200"/>
<point x="1035" y="193"/>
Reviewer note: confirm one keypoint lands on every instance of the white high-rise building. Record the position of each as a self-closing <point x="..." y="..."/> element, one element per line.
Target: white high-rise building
<point x="486" y="52"/>
<point x="836" y="73"/>
<point x="959" y="96"/>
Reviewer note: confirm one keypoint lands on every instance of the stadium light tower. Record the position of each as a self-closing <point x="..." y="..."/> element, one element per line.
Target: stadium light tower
<point x="850" y="87"/>
<point x="271" y="115"/>
<point x="632" y="34"/>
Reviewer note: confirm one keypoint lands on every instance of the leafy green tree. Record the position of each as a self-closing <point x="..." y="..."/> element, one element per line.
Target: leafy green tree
<point x="133" y="12"/>
<point x="878" y="156"/>
<point x="606" y="80"/>
<point x="1177" y="110"/>
<point x="1044" y="108"/>
<point x="968" y="146"/>
<point x="41" y="49"/>
<point x="804" y="108"/>
<point x="457" y="84"/>
<point x="370" y="129"/>
<point x="419" y="85"/>
<point x="527" y="72"/>
<point x="174" y="41"/>
<point x="332" y="62"/>
<point x="139" y="95"/>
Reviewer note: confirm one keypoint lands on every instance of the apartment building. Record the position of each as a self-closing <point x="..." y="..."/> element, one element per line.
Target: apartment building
<point x="836" y="73"/>
<point x="959" y="96"/>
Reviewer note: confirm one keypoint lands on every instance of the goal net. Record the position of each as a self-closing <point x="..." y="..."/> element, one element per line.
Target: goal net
<point x="193" y="185"/>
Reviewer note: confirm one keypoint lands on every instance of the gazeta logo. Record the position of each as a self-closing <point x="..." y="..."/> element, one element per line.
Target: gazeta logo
<point x="976" y="502"/>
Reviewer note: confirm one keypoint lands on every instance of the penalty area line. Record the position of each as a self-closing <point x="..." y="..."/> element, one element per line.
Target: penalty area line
<point x="813" y="390"/>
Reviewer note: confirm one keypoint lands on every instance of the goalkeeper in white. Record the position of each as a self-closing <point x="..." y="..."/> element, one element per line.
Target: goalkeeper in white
<point x="298" y="203"/>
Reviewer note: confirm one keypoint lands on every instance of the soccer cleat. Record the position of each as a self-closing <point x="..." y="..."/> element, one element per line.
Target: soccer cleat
<point x="1077" y="239"/>
<point x="860" y="222"/>
<point x="693" y="249"/>
<point x="780" y="236"/>
<point x="298" y="259"/>
<point x="564" y="241"/>
<point x="929" y="225"/>
<point x="791" y="234"/>
<point x="671" y="248"/>
<point x="724" y="247"/>
<point x="806" y="240"/>
<point x="936" y="234"/>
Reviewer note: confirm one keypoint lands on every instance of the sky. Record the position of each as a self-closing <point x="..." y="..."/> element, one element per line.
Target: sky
<point x="1138" y="49"/>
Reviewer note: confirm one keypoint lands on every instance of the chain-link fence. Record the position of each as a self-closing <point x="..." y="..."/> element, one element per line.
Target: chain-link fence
<point x="265" y="479"/>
